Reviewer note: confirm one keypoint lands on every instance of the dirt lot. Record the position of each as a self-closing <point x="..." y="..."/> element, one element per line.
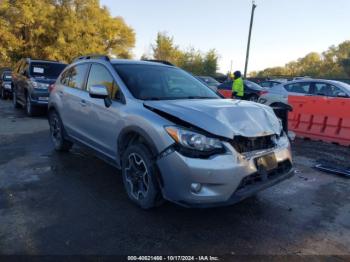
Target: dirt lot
<point x="74" y="203"/>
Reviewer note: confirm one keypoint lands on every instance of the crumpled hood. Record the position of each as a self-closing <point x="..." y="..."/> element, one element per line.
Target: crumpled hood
<point x="222" y="117"/>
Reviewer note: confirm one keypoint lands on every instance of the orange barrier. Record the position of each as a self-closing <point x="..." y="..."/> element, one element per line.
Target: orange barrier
<point x="226" y="93"/>
<point x="320" y="118"/>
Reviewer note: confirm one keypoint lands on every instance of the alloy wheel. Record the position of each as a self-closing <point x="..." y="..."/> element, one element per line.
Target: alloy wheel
<point x="29" y="106"/>
<point x="55" y="127"/>
<point x="14" y="99"/>
<point x="136" y="176"/>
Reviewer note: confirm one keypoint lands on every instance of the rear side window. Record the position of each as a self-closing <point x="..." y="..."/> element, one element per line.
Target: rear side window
<point x="301" y="88"/>
<point x="48" y="70"/>
<point x="99" y="75"/>
<point x="65" y="77"/>
<point x="76" y="76"/>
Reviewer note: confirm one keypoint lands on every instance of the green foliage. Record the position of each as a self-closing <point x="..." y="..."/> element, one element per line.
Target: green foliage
<point x="60" y="30"/>
<point x="333" y="63"/>
<point x="191" y="60"/>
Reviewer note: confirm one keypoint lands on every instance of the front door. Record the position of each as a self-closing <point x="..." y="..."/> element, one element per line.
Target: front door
<point x="103" y="121"/>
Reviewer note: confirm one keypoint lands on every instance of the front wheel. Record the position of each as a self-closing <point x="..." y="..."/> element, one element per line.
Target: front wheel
<point x="139" y="176"/>
<point x="57" y="133"/>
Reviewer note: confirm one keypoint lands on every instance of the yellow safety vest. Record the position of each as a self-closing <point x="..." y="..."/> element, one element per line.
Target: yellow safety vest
<point x="238" y="87"/>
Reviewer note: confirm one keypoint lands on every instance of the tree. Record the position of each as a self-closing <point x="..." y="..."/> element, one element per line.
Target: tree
<point x="191" y="60"/>
<point x="62" y="30"/>
<point x="165" y="49"/>
<point x="333" y="63"/>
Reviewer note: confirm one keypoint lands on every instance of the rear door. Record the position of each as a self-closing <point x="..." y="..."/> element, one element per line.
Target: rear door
<point x="73" y="95"/>
<point x="22" y="79"/>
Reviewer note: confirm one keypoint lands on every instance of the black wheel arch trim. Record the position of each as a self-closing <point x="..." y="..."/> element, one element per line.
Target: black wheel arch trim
<point x="142" y="133"/>
<point x="151" y="146"/>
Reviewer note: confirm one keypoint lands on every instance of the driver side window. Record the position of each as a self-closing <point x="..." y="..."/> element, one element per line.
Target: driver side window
<point x="99" y="75"/>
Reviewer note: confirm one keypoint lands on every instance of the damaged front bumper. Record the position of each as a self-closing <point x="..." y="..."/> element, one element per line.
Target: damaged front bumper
<point x="221" y="179"/>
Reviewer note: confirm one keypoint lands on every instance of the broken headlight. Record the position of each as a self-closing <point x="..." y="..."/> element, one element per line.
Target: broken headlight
<point x="193" y="143"/>
<point x="283" y="140"/>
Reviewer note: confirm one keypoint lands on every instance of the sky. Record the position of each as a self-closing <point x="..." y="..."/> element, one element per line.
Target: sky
<point x="283" y="30"/>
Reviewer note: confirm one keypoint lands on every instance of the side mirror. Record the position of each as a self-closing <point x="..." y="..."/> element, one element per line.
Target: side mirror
<point x="342" y="94"/>
<point x="98" y="91"/>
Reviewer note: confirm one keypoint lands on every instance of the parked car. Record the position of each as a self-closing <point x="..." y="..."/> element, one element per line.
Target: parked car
<point x="271" y="83"/>
<point x="5" y="83"/>
<point x="209" y="81"/>
<point x="171" y="135"/>
<point x="305" y="87"/>
<point x="30" y="83"/>
<point x="252" y="91"/>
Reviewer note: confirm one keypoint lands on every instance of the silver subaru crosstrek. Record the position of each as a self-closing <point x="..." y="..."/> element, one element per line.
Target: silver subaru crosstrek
<point x="172" y="136"/>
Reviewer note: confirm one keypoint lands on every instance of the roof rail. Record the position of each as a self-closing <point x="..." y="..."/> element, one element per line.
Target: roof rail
<point x="92" y="56"/>
<point x="159" y="61"/>
<point x="39" y="59"/>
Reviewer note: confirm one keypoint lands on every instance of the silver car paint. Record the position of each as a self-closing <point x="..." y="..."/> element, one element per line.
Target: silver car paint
<point x="226" y="118"/>
<point x="98" y="127"/>
<point x="278" y="94"/>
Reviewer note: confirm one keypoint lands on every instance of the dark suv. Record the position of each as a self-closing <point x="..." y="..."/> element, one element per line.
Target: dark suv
<point x="30" y="83"/>
<point x="5" y="82"/>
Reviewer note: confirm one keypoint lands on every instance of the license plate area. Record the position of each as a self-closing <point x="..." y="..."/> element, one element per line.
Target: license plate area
<point x="43" y="98"/>
<point x="266" y="163"/>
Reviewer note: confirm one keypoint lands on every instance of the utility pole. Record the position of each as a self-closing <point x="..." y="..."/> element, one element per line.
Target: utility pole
<point x="249" y="36"/>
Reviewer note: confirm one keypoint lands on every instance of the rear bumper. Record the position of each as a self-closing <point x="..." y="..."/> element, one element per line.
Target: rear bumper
<point x="222" y="179"/>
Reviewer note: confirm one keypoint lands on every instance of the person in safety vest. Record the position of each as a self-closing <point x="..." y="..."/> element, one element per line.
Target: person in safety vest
<point x="237" y="86"/>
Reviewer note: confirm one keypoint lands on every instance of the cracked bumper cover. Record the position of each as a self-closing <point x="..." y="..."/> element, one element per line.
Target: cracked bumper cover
<point x="220" y="177"/>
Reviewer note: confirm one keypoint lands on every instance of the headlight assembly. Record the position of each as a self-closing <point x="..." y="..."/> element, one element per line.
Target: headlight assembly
<point x="41" y="86"/>
<point x="193" y="143"/>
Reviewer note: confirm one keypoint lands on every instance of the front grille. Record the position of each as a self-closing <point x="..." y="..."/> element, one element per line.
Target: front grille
<point x="247" y="144"/>
<point x="257" y="178"/>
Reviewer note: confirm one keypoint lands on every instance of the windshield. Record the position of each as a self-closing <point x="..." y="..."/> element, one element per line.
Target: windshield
<point x="252" y="85"/>
<point x="7" y="77"/>
<point x="344" y="85"/>
<point x="47" y="70"/>
<point x="151" y="82"/>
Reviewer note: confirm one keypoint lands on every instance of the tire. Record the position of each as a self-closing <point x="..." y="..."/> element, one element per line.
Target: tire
<point x="57" y="133"/>
<point x="14" y="100"/>
<point x="253" y="98"/>
<point x="2" y="94"/>
<point x="31" y="110"/>
<point x="139" y="177"/>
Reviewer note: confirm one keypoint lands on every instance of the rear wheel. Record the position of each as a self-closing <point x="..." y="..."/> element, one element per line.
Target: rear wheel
<point x="15" y="101"/>
<point x="57" y="133"/>
<point x="31" y="110"/>
<point x="139" y="176"/>
<point x="2" y="94"/>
